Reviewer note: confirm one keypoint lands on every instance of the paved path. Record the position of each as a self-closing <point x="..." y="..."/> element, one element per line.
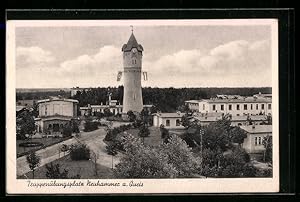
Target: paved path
<point x="94" y="140"/>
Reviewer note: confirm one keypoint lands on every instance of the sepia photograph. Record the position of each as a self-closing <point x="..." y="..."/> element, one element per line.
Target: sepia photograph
<point x="142" y="106"/>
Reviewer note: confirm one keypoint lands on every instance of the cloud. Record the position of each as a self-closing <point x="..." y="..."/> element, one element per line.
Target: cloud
<point x="233" y="55"/>
<point x="105" y="61"/>
<point x="33" y="56"/>
<point x="234" y="63"/>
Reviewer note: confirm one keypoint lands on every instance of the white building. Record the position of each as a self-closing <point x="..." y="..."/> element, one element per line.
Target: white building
<point x="234" y="105"/>
<point x="169" y="120"/>
<point x="113" y="105"/>
<point x="54" y="114"/>
<point x="253" y="143"/>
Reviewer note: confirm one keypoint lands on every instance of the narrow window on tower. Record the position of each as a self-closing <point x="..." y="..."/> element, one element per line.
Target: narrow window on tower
<point x="134" y="96"/>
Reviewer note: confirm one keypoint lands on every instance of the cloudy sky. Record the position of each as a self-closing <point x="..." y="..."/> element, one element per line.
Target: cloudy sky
<point x="174" y="56"/>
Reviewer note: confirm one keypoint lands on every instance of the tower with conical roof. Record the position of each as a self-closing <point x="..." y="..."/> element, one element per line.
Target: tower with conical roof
<point x="132" y="63"/>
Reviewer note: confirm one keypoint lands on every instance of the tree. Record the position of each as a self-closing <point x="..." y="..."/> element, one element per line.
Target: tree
<point x="237" y="135"/>
<point x="267" y="142"/>
<point x="33" y="161"/>
<point x="54" y="172"/>
<point x="185" y="120"/>
<point x="144" y="132"/>
<point x="181" y="157"/>
<point x="234" y="163"/>
<point x="146" y="117"/>
<point x="112" y="149"/>
<point x="164" y="133"/>
<point x="90" y="126"/>
<point x="168" y="160"/>
<point x="67" y="130"/>
<point x="131" y="116"/>
<point x="79" y="152"/>
<point x="25" y="124"/>
<point x="153" y="109"/>
<point x="75" y="125"/>
<point x="184" y="108"/>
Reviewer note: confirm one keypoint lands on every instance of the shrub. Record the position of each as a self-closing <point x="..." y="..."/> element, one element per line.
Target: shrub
<point x="112" y="149"/>
<point x="54" y="172"/>
<point x="67" y="131"/>
<point x="79" y="152"/>
<point x="113" y="133"/>
<point x="90" y="126"/>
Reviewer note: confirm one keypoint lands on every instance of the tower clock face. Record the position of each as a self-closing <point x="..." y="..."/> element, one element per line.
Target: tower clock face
<point x="134" y="50"/>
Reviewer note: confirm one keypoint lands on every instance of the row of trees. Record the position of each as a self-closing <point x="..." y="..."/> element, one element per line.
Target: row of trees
<point x="38" y="95"/>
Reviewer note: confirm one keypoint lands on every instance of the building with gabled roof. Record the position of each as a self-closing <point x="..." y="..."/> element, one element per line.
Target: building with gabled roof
<point x="255" y="135"/>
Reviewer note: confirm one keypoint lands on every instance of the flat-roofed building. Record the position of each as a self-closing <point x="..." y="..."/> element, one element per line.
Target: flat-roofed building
<point x="169" y="120"/>
<point x="54" y="114"/>
<point x="114" y="107"/>
<point x="236" y="106"/>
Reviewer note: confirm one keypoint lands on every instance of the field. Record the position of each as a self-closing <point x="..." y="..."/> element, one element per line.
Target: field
<point x="86" y="169"/>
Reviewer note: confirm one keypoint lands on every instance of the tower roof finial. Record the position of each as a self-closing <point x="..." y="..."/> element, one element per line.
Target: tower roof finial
<point x="131" y="28"/>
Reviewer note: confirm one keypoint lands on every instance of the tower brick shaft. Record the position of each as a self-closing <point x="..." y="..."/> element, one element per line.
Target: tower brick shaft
<point x="132" y="63"/>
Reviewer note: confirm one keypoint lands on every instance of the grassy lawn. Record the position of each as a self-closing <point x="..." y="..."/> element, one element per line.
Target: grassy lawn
<point x="46" y="141"/>
<point x="153" y="139"/>
<point x="86" y="169"/>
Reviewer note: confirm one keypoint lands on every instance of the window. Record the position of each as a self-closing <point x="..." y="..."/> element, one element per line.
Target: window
<point x="245" y="106"/>
<point x="177" y="122"/>
<point x="259" y="140"/>
<point x="222" y="107"/>
<point x="269" y="106"/>
<point x="46" y="110"/>
<point x="230" y="107"/>
<point x="167" y="122"/>
<point x="255" y="141"/>
<point x="214" y="107"/>
<point x="237" y="114"/>
<point x="237" y="107"/>
<point x="262" y="106"/>
<point x="203" y="106"/>
<point x="251" y="106"/>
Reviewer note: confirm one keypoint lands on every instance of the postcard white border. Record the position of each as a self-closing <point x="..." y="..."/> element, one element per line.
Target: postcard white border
<point x="218" y="185"/>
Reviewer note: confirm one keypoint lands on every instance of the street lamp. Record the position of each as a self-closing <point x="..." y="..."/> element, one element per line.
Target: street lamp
<point x="201" y="146"/>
